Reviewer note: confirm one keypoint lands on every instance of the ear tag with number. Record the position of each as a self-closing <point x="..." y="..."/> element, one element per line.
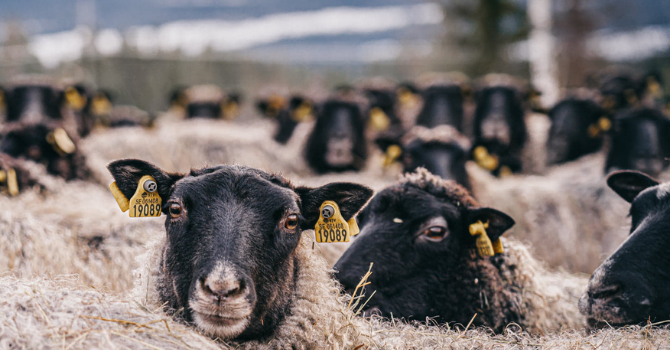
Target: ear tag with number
<point x="484" y="245"/>
<point x="379" y="121"/>
<point x="331" y="226"/>
<point x="145" y="203"/>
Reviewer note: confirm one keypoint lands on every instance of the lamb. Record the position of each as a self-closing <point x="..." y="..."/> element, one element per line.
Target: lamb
<point x="416" y="234"/>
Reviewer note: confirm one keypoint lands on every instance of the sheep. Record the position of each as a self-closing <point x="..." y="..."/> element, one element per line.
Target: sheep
<point x="631" y="286"/>
<point x="229" y="262"/>
<point x="435" y="272"/>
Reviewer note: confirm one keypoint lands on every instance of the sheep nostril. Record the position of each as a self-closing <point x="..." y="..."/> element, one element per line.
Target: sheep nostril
<point x="606" y="292"/>
<point x="222" y="290"/>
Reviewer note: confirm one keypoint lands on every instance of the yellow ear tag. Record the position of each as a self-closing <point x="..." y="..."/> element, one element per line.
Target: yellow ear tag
<point x="604" y="123"/>
<point x="654" y="87"/>
<point x="101" y="106"/>
<point x="505" y="171"/>
<point x="407" y="98"/>
<point x="594" y="130"/>
<point x="9" y="177"/>
<point x="484" y="245"/>
<point x="2" y="100"/>
<point x="484" y="159"/>
<point x="302" y="113"/>
<point x="275" y="105"/>
<point x="121" y="200"/>
<point x="393" y="152"/>
<point x="353" y="227"/>
<point x="61" y="142"/>
<point x="230" y="110"/>
<point x="74" y="99"/>
<point x="498" y="247"/>
<point x="379" y="121"/>
<point x="146" y="202"/>
<point x="331" y="226"/>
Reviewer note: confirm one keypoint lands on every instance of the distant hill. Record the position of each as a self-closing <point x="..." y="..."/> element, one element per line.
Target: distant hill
<point x="44" y="16"/>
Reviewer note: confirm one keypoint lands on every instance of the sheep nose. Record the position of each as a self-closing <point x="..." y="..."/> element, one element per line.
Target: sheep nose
<point x="607" y="292"/>
<point x="223" y="288"/>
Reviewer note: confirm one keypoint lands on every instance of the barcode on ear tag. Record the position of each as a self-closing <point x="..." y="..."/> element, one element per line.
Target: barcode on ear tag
<point x="331" y="227"/>
<point x="146" y="202"/>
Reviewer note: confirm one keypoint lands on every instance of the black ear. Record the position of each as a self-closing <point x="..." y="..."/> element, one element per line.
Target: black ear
<point x="350" y="197"/>
<point x="262" y="106"/>
<point x="11" y="143"/>
<point x="128" y="172"/>
<point x="499" y="222"/>
<point x="629" y="183"/>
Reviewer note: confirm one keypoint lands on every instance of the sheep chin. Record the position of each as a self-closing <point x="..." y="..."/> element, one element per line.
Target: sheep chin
<point x="227" y="328"/>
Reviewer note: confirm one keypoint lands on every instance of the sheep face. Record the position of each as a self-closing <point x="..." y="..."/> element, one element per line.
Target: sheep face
<point x="337" y="142"/>
<point x="211" y="110"/>
<point x="640" y="142"/>
<point x="37" y="143"/>
<point x="632" y="285"/>
<point x="577" y="128"/>
<point x="443" y="106"/>
<point x="447" y="160"/>
<point x="499" y="125"/>
<point x="229" y="259"/>
<point x="422" y="252"/>
<point x="33" y="103"/>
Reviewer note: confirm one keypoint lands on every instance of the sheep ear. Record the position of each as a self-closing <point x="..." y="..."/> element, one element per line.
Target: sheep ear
<point x="498" y="222"/>
<point x="628" y="183"/>
<point x="128" y="172"/>
<point x="350" y="197"/>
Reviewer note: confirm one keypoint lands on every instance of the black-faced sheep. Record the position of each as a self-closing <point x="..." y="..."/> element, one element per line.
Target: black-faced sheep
<point x="428" y="262"/>
<point x="633" y="285"/>
<point x="229" y="263"/>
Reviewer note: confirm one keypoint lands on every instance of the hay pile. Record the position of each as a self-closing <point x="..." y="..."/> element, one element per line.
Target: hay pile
<point x="54" y="314"/>
<point x="72" y="228"/>
<point x="49" y="314"/>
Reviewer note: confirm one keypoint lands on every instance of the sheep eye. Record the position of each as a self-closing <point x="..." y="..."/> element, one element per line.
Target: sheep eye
<point x="291" y="222"/>
<point x="175" y="210"/>
<point x="435" y="233"/>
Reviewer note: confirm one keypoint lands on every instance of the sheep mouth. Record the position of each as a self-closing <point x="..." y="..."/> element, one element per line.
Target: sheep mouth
<point x="221" y="326"/>
<point x="221" y="321"/>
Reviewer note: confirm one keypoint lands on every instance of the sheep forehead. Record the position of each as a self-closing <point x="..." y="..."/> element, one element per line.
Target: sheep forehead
<point x="663" y="190"/>
<point x="240" y="179"/>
